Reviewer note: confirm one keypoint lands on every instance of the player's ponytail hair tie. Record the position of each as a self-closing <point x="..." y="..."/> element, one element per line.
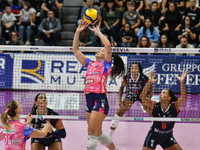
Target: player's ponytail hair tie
<point x="7" y="109"/>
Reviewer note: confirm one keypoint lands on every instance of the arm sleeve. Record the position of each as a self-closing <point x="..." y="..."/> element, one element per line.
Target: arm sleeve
<point x="124" y="15"/>
<point x="107" y="64"/>
<point x="87" y="62"/>
<point x="28" y="130"/>
<point x="41" y="26"/>
<point x="140" y="33"/>
<point x="13" y="17"/>
<point x="156" y="36"/>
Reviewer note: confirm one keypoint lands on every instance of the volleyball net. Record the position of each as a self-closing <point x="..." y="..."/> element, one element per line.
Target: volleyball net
<point x="56" y="72"/>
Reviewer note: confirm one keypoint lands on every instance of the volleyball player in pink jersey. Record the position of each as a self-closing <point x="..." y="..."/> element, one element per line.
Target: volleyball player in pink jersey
<point x="95" y="89"/>
<point x="15" y="132"/>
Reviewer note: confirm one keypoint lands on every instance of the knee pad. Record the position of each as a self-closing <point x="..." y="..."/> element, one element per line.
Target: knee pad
<point x="114" y="123"/>
<point x="92" y="142"/>
<point x="105" y="140"/>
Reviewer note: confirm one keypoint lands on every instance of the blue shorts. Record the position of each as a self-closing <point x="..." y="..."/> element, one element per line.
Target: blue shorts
<point x="152" y="141"/>
<point x="46" y="141"/>
<point x="97" y="102"/>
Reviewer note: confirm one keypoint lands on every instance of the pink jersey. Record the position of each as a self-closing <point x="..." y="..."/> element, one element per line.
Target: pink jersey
<point x="16" y="138"/>
<point x="96" y="76"/>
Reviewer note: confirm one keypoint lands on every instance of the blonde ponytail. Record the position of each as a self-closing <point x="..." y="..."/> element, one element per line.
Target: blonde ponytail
<point x="5" y="120"/>
<point x="10" y="111"/>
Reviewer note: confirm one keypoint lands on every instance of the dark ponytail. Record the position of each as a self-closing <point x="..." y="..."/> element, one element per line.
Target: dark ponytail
<point x="118" y="68"/>
<point x="35" y="106"/>
<point x="173" y="97"/>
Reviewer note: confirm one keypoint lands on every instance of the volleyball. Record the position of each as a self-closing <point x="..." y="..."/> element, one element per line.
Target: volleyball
<point x="91" y="15"/>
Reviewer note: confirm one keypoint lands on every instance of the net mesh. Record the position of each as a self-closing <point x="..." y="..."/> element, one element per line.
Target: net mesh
<point x="60" y="76"/>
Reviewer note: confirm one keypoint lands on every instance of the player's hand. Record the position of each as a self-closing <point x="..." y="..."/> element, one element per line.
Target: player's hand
<point x="29" y="118"/>
<point x="121" y="105"/>
<point x="152" y="76"/>
<point x="48" y="125"/>
<point x="182" y="77"/>
<point x="95" y="28"/>
<point x="82" y="26"/>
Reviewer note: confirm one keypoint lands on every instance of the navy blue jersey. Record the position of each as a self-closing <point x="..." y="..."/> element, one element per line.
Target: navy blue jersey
<point x="134" y="88"/>
<point x="163" y="128"/>
<point x="38" y="122"/>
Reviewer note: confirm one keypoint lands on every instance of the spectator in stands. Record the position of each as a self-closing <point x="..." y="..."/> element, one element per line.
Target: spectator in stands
<point x="120" y="5"/>
<point x="111" y="18"/>
<point x="179" y="3"/>
<point x="194" y="13"/>
<point x="144" y="42"/>
<point x="26" y="20"/>
<point x="139" y="5"/>
<point x="8" y="22"/>
<point x="49" y="29"/>
<point x="87" y="38"/>
<point x="154" y="13"/>
<point x="163" y="42"/>
<point x="36" y="4"/>
<point x="132" y="17"/>
<point x="187" y="30"/>
<point x="99" y="3"/>
<point x="150" y="31"/>
<point x="148" y="4"/>
<point x="14" y="39"/>
<point x="127" y="36"/>
<point x="184" y="44"/>
<point x="90" y="4"/>
<point x="55" y="5"/>
<point x="172" y="23"/>
<point x="188" y="3"/>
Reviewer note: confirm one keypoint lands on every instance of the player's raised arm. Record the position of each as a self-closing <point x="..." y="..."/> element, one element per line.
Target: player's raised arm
<point x="79" y="55"/>
<point x="105" y="41"/>
<point x="183" y="97"/>
<point x="143" y="96"/>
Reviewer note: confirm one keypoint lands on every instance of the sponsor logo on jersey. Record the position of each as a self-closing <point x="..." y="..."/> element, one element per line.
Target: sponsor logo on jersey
<point x="16" y="142"/>
<point x="32" y="71"/>
<point x="162" y="132"/>
<point x="9" y="132"/>
<point x="90" y="81"/>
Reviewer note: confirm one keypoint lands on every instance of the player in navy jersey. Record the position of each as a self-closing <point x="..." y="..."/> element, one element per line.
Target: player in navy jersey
<point x="52" y="140"/>
<point x="161" y="132"/>
<point x="134" y="81"/>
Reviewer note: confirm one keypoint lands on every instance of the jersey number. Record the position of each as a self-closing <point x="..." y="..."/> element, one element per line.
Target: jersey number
<point x="7" y="140"/>
<point x="164" y="125"/>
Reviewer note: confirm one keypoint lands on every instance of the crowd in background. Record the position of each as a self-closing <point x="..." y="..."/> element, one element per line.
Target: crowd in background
<point x="126" y="23"/>
<point x="147" y="23"/>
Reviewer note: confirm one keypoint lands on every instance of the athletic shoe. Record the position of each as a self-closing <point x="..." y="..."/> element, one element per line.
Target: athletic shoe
<point x="27" y="43"/>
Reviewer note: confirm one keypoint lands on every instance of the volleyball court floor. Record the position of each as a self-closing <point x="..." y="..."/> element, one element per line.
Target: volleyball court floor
<point x="128" y="135"/>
